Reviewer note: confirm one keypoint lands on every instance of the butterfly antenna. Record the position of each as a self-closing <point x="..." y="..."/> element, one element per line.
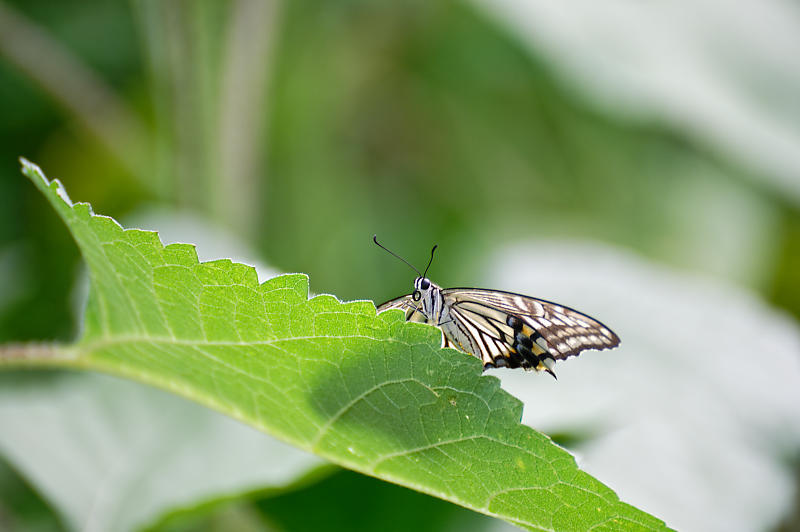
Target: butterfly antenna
<point x="433" y="249"/>
<point x="375" y="239"/>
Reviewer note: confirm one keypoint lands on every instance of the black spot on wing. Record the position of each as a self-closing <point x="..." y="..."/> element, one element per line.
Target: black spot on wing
<point x="523" y="340"/>
<point x="514" y="322"/>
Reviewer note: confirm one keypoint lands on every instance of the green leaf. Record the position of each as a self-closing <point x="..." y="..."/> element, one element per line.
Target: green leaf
<point x="369" y="392"/>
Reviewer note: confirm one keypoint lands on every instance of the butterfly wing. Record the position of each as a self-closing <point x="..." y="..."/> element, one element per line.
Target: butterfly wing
<point x="507" y="328"/>
<point x="407" y="304"/>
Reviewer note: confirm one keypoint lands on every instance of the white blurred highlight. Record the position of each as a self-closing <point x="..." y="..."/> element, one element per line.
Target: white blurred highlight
<point x="725" y="73"/>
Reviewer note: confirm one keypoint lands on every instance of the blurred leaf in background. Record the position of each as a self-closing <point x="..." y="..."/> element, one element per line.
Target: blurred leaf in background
<point x="115" y="455"/>
<point x="672" y="131"/>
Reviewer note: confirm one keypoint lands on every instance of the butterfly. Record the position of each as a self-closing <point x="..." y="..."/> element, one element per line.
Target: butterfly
<point x="502" y="329"/>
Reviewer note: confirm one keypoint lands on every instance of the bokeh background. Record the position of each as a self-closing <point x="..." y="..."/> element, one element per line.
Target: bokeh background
<point x="640" y="162"/>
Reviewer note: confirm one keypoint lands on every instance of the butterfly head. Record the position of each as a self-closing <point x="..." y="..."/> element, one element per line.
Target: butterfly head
<point x="422" y="288"/>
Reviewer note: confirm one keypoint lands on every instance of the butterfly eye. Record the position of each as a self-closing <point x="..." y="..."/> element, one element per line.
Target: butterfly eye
<point x="424" y="284"/>
<point x="416" y="295"/>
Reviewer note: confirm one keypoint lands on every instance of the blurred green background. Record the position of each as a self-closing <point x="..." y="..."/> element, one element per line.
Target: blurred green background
<point x="305" y="127"/>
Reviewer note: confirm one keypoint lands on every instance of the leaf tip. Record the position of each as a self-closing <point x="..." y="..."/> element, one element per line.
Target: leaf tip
<point x="33" y="172"/>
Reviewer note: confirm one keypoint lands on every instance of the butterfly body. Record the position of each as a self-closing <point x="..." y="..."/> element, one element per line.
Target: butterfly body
<point x="503" y="329"/>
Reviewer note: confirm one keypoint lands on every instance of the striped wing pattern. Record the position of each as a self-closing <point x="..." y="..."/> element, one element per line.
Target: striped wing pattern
<point x="498" y="318"/>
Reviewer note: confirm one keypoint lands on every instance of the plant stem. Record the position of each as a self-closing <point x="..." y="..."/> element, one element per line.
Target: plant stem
<point x="36" y="355"/>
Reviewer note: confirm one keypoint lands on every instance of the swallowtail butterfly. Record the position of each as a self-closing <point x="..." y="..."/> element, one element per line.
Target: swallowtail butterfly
<point x="502" y="329"/>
